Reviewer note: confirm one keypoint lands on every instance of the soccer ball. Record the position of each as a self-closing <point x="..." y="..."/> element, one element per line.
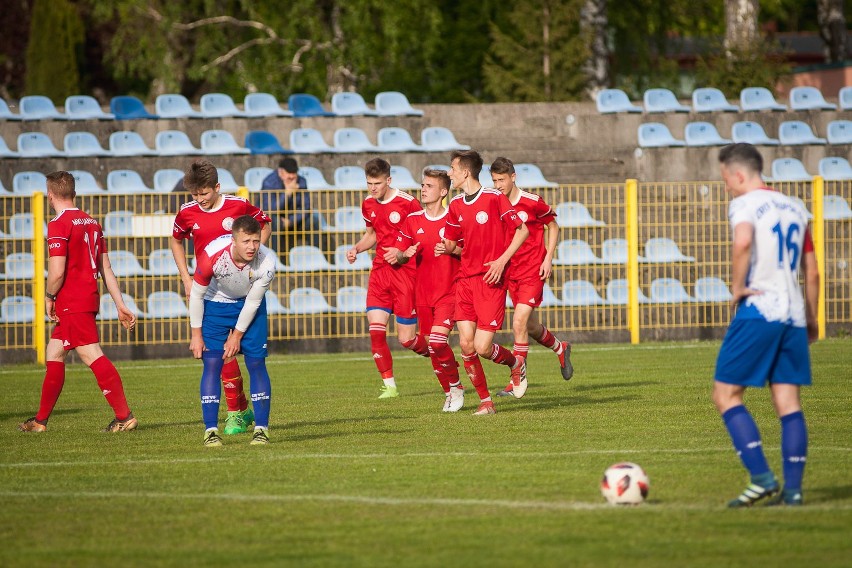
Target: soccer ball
<point x="625" y="484"/>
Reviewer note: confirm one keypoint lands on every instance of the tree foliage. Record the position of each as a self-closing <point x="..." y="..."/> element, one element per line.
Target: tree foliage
<point x="54" y="50"/>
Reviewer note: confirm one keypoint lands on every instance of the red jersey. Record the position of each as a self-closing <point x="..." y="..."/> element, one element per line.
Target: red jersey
<point x="205" y="226"/>
<point x="536" y="214"/>
<point x="436" y="275"/>
<point x="484" y="224"/>
<point x="80" y="239"/>
<point x="386" y="218"/>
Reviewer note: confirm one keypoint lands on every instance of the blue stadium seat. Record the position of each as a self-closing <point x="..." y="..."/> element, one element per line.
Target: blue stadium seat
<point x="796" y="132"/>
<point x="394" y="103"/>
<point x="108" y="311"/>
<point x="844" y="97"/>
<point x="840" y="132"/>
<point x="752" y="133"/>
<point x="835" y="208"/>
<point x="129" y="108"/>
<point x="174" y="143"/>
<point x="166" y="304"/>
<point x="27" y="183"/>
<point x="227" y="182"/>
<point x="353" y="140"/>
<point x="314" y="178"/>
<point x="350" y="177"/>
<point x="362" y="261"/>
<point x="85" y="183"/>
<point x="662" y="100"/>
<point x="307" y="258"/>
<point x="273" y="304"/>
<point x="662" y="249"/>
<point x="669" y="291"/>
<point x="656" y="135"/>
<point x="614" y="251"/>
<point x="5" y="151"/>
<point x="220" y="143"/>
<point x="83" y="144"/>
<point x="352" y="299"/>
<point x="308" y="300"/>
<point x="485" y="176"/>
<point x="348" y="219"/>
<point x="614" y="100"/>
<point x="395" y="139"/>
<point x="37" y="145"/>
<point x="17" y="309"/>
<point x="19" y="266"/>
<point x="835" y="169"/>
<point x="128" y="143"/>
<point x="350" y="104"/>
<point x="703" y="134"/>
<point x="789" y="169"/>
<point x="263" y="105"/>
<point x="530" y="176"/>
<point x="166" y="179"/>
<point x="173" y="105"/>
<point x="580" y="293"/>
<point x="6" y="113"/>
<point x="126" y="181"/>
<point x="808" y="98"/>
<point x="253" y="177"/>
<point x="303" y="104"/>
<point x="84" y="107"/>
<point x="548" y="298"/>
<point x="710" y="99"/>
<point x="38" y="107"/>
<point x="21" y="226"/>
<point x="759" y="98"/>
<point x="279" y="266"/>
<point x="263" y="142"/>
<point x="573" y="214"/>
<point x="574" y="252"/>
<point x="309" y="141"/>
<point x="218" y="105"/>
<point x="711" y="289"/>
<point x="440" y="139"/>
<point x="617" y="293"/>
<point x="161" y="262"/>
<point x="125" y="263"/>
<point x="401" y="178"/>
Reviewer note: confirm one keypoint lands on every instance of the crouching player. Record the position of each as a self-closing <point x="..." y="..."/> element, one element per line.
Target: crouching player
<point x="227" y="314"/>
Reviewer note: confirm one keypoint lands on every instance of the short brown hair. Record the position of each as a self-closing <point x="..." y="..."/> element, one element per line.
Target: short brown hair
<point x="377" y="167"/>
<point x="743" y="154"/>
<point x="201" y="174"/>
<point x="503" y="166"/>
<point x="61" y="184"/>
<point x="247" y="224"/>
<point x="440" y="175"/>
<point x="469" y="160"/>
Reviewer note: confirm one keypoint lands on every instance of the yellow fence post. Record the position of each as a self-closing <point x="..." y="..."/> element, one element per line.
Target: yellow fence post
<point x="243" y="192"/>
<point x="631" y="187"/>
<point x="39" y="238"/>
<point x="819" y="248"/>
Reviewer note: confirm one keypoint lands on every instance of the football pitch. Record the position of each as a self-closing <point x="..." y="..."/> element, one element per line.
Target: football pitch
<point x="349" y="480"/>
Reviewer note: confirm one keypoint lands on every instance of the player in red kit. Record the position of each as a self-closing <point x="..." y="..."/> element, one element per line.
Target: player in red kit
<point x="391" y="287"/>
<point x="484" y="218"/>
<point x="77" y="256"/>
<point x="209" y="216"/>
<point x="530" y="268"/>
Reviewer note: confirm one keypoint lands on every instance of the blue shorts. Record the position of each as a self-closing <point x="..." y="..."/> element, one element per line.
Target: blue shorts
<point x="756" y="351"/>
<point x="220" y="318"/>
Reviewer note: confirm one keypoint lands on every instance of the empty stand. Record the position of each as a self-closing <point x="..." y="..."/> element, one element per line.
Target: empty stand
<point x="308" y="300"/>
<point x="218" y="105"/>
<point x="128" y="143"/>
<point x="263" y="142"/>
<point x="614" y="251"/>
<point x="669" y="291"/>
<point x="835" y="169"/>
<point x="309" y="141"/>
<point x="613" y="101"/>
<point x="262" y="105"/>
<point x="21" y="226"/>
<point x="84" y="107"/>
<point x="5" y="151"/>
<point x="273" y="304"/>
<point x="709" y="99"/>
<point x="37" y="145"/>
<point x="530" y="176"/>
<point x="394" y="103"/>
<point x="485" y="176"/>
<point x="752" y="133"/>
<point x="796" y="132"/>
<point x="125" y="263"/>
<point x="350" y="177"/>
<point x="219" y="143"/>
<point x="844" y="97"/>
<point x="126" y="181"/>
<point x="662" y="100"/>
<point x="6" y="113"/>
<point x="253" y="177"/>
<point x="351" y="299"/>
<point x="27" y="183"/>
<point x="166" y="304"/>
<point x="440" y="139"/>
<point x="161" y="262"/>
<point x="703" y="134"/>
<point x="835" y="208"/>
<point x="396" y="139"/>
<point x="350" y="104"/>
<point x="348" y="219"/>
<point x="165" y="180"/>
<point x="314" y="178"/>
<point x="38" y="107"/>
<point x="662" y="249"/>
<point x="227" y="182"/>
<point x="617" y="292"/>
<point x="656" y="135"/>
<point x="83" y="144"/>
<point x="108" y="311"/>
<point x="306" y="258"/>
<point x="17" y="309"/>
<point x="401" y="178"/>
<point x="580" y="293"/>
<point x="173" y="105"/>
<point x="362" y="260"/>
<point x="574" y="252"/>
<point x="712" y="289"/>
<point x="303" y="104"/>
<point x="19" y="266"/>
<point x="129" y="108"/>
<point x="574" y="214"/>
<point x="840" y="132"/>
<point x="809" y="98"/>
<point x="85" y="183"/>
<point x="789" y="169"/>
<point x="174" y="143"/>
<point x="353" y="140"/>
<point x="759" y="98"/>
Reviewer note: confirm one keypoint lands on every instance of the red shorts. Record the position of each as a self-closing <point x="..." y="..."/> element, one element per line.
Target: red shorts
<point x="479" y="302"/>
<point x="392" y="290"/>
<point x="527" y="291"/>
<point x="429" y="316"/>
<point x="76" y="329"/>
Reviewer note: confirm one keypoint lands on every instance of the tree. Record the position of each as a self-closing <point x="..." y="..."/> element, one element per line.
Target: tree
<point x="832" y="29"/>
<point x="741" y="24"/>
<point x="53" y="51"/>
<point x="593" y="20"/>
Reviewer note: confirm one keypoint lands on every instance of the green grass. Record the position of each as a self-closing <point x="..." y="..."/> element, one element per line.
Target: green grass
<point x="353" y="481"/>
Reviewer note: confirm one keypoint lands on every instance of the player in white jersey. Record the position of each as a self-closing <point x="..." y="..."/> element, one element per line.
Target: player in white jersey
<point x="227" y="314"/>
<point x="767" y="341"/>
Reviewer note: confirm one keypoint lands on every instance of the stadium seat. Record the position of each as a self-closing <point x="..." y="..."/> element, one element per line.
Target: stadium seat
<point x="165" y="180"/>
<point x="85" y="183"/>
<point x="710" y="99"/>
<point x="350" y="177"/>
<point x="353" y="140"/>
<point x="263" y="142"/>
<point x="303" y="104"/>
<point x="227" y="183"/>
<point x="580" y="293"/>
<point x="166" y="304"/>
<point x="314" y="178"/>
<point x="844" y="97"/>
<point x="27" y="183"/>
<point x="662" y="100"/>
<point x="796" y="132"/>
<point x="309" y="141"/>
<point x="126" y="181"/>
<point x="218" y="105"/>
<point x="5" y="151"/>
<point x="396" y="139"/>
<point x="669" y="291"/>
<point x="83" y="144"/>
<point x="485" y="176"/>
<point x="617" y="292"/>
<point x="108" y="311"/>
<point x="279" y="266"/>
<point x="38" y="107"/>
<point x="573" y="214"/>
<point x="84" y="107"/>
<point x="19" y="266"/>
<point x="548" y="298"/>
<point x="789" y="169"/>
<point x="530" y="176"/>
<point x="350" y="104"/>
<point x="614" y="100"/>
<point x="840" y="132"/>
<point x="125" y="263"/>
<point x="273" y="304"/>
<point x="440" y="139"/>
<point x="21" y="226"/>
<point x="752" y="133"/>
<point x="174" y="143"/>
<point x="161" y="262"/>
<point x="656" y="135"/>
<point x="17" y="309"/>
<point x="835" y="169"/>
<point x="6" y="113"/>
<point x="37" y="145"/>
<point x="129" y="108"/>
<point x="362" y="261"/>
<point x="703" y="134"/>
<point x="348" y="219"/>
<point x="808" y="98"/>
<point x="220" y="143"/>
<point x="574" y="252"/>
<point x="352" y="299"/>
<point x="662" y="249"/>
<point x="401" y="178"/>
<point x="174" y="105"/>
<point x="759" y="98"/>
<point x="128" y="143"/>
<point x="253" y="177"/>
<point x="306" y="258"/>
<point x="394" y="103"/>
<point x="711" y="289"/>
<point x="308" y="300"/>
<point x="262" y="105"/>
<point x="835" y="208"/>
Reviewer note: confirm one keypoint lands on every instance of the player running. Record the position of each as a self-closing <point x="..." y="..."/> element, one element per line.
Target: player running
<point x="209" y="216"/>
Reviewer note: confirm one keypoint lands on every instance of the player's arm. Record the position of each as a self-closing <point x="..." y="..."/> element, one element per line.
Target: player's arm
<point x="550" y="247"/>
<point x="496" y="267"/>
<point x="125" y="316"/>
<point x="196" y="317"/>
<point x="265" y="232"/>
<point x="810" y="272"/>
<point x="368" y="241"/>
<point x="179" y="253"/>
<point x="55" y="279"/>
<point x="741" y="258"/>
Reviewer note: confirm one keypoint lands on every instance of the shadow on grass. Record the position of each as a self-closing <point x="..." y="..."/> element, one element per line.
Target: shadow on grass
<point x="825" y="494"/>
<point x="592" y="387"/>
<point x="338" y="434"/>
<point x="21" y="416"/>
<point x="539" y="403"/>
<point x="340" y="420"/>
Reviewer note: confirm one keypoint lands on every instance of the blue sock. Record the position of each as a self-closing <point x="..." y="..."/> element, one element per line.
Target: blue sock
<point x="261" y="389"/>
<point x="746" y="439"/>
<point x="211" y="388"/>
<point x="794" y="450"/>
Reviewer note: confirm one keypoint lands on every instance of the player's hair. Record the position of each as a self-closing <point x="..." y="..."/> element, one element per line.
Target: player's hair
<point x="246" y="224"/>
<point x="469" y="160"/>
<point x="440" y="175"/>
<point x="377" y="167"/>
<point x="201" y="174"/>
<point x="289" y="165"/>
<point x="503" y="166"/>
<point x="742" y="154"/>
<point x="61" y="184"/>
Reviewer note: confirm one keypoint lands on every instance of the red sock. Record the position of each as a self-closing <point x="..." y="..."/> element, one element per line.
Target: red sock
<point x="110" y="383"/>
<point x="442" y="353"/>
<point x="476" y="374"/>
<point x="379" y="346"/>
<point x="502" y="356"/>
<point x="232" y="381"/>
<point x="521" y="349"/>
<point x="549" y="340"/>
<point x="419" y="345"/>
<point x="54" y="380"/>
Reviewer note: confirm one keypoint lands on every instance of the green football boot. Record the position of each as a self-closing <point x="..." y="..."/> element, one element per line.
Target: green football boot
<point x="234" y="423"/>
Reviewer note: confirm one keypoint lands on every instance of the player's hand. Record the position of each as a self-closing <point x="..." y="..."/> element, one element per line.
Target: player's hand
<point x="440" y="248"/>
<point x="232" y="345"/>
<point x="187" y="286"/>
<point x="739" y="294"/>
<point x="545" y="269"/>
<point x="127" y="318"/>
<point x="50" y="310"/>
<point x="495" y="271"/>
<point x="352" y="255"/>
<point x="813" y="331"/>
<point x="390" y="255"/>
<point x="196" y="345"/>
<point x="412" y="250"/>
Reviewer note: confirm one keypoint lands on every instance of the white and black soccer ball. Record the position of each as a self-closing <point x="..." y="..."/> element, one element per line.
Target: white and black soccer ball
<point x="625" y="484"/>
